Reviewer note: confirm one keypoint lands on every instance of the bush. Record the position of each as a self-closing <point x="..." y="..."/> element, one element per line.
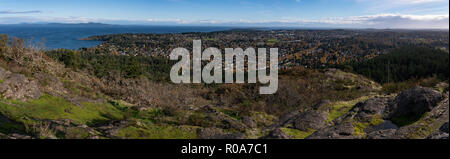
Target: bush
<point x="104" y="65"/>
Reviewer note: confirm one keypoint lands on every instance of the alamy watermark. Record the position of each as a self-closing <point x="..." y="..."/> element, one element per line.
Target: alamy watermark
<point x="256" y="65"/>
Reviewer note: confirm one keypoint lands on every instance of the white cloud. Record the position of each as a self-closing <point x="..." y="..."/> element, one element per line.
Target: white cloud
<point x="416" y="1"/>
<point x="402" y="1"/>
<point x="369" y="21"/>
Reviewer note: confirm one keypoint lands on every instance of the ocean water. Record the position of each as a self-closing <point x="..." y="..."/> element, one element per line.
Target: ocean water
<point x="55" y="36"/>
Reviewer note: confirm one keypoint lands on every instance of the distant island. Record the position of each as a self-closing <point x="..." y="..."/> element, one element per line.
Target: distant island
<point x="67" y="24"/>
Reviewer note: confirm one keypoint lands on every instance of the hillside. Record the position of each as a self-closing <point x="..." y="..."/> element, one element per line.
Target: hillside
<point x="81" y="95"/>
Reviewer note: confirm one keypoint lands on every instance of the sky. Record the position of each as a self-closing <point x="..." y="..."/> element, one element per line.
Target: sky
<point x="409" y="14"/>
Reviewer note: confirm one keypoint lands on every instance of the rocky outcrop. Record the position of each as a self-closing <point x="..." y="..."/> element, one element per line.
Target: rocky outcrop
<point x="375" y="106"/>
<point x="415" y="102"/>
<point x="311" y="120"/>
<point x="17" y="86"/>
<point x="371" y="119"/>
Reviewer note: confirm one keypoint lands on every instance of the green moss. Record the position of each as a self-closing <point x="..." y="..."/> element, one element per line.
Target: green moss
<point x="359" y="129"/>
<point x="159" y="132"/>
<point x="376" y="121"/>
<point x="54" y="108"/>
<point x="340" y="108"/>
<point x="297" y="134"/>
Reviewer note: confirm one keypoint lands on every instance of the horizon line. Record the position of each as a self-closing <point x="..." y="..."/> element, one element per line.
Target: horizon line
<point x="230" y="26"/>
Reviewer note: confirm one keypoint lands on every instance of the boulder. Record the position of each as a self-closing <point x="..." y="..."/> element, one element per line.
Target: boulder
<point x="375" y="106"/>
<point x="311" y="120"/>
<point x="415" y="102"/>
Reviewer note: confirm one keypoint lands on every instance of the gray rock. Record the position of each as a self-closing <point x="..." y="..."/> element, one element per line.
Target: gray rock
<point x="438" y="135"/>
<point x="209" y="133"/>
<point x="19" y="136"/>
<point x="415" y="102"/>
<point x="286" y="119"/>
<point x="341" y="131"/>
<point x="277" y="134"/>
<point x="383" y="134"/>
<point x="311" y="120"/>
<point x="375" y="106"/>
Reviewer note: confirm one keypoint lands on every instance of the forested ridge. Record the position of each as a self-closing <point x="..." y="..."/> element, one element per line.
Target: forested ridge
<point x="403" y="64"/>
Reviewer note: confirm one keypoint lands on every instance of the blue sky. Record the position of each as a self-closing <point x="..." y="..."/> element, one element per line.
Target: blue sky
<point x="292" y="13"/>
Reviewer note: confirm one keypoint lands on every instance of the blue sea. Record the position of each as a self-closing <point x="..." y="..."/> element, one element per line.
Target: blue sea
<point x="68" y="36"/>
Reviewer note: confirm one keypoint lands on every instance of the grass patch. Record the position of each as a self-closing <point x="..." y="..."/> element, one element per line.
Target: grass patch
<point x="297" y="134"/>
